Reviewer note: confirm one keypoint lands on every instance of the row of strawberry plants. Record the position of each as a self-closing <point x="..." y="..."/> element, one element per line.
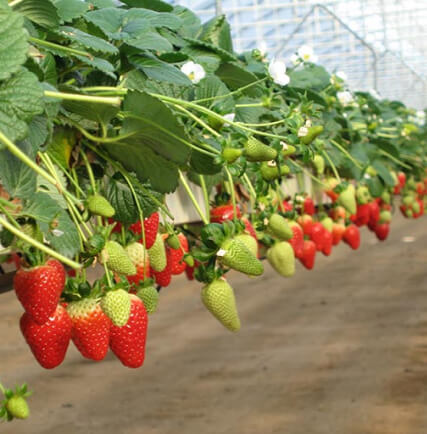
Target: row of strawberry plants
<point x="107" y="109"/>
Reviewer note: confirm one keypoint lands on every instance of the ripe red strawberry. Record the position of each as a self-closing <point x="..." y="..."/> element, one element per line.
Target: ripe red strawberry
<point x="176" y="256"/>
<point x="91" y="328"/>
<point x="306" y="222"/>
<point x="337" y="213"/>
<point x="287" y="206"/>
<point x="249" y="227"/>
<point x="297" y="241"/>
<point x="128" y="342"/>
<point x="362" y="216"/>
<point x="151" y="227"/>
<point x="382" y="231"/>
<point x="164" y="277"/>
<point x="352" y="236"/>
<point x="338" y="230"/>
<point x="48" y="341"/>
<point x="141" y="273"/>
<point x="308" y="206"/>
<point x="309" y="254"/>
<point x="374" y="212"/>
<point x="401" y="177"/>
<point x="327" y="243"/>
<point x="317" y="235"/>
<point x="39" y="289"/>
<point x="222" y="213"/>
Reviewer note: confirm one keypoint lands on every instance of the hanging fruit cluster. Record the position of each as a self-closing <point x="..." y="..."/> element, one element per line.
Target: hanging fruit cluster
<point x="106" y="110"/>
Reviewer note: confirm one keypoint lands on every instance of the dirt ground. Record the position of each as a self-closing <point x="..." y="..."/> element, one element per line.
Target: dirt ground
<point x="338" y="350"/>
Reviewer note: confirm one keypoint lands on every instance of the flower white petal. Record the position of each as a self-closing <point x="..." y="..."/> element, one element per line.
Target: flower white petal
<point x="194" y="71"/>
<point x="295" y="59"/>
<point x="342" y="75"/>
<point x="306" y="53"/>
<point x="277" y="70"/>
<point x="345" y="97"/>
<point x="302" y="132"/>
<point x="229" y="116"/>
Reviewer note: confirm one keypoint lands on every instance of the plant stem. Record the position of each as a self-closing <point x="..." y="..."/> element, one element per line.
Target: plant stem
<point x="192" y="198"/>
<point x="110" y="89"/>
<point x="205" y="196"/>
<point x="347" y="154"/>
<point x="101" y="139"/>
<point x="39" y="245"/>
<point x="307" y="172"/>
<point x="8" y="204"/>
<point x="9" y="216"/>
<point x="107" y="274"/>
<point x="265" y="124"/>
<point x="255" y="104"/>
<point x="387" y="136"/>
<point x="231" y="93"/>
<point x="396" y="160"/>
<point x="25" y="159"/>
<point x="251" y="188"/>
<point x="48" y="44"/>
<point x="200" y="122"/>
<point x="84" y="98"/>
<point x="232" y="192"/>
<point x="333" y="167"/>
<point x="70" y="178"/>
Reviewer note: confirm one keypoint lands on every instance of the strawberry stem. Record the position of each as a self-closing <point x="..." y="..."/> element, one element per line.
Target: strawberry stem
<point x="392" y="158"/>
<point x="53" y="45"/>
<point x="107" y="274"/>
<point x="205" y="196"/>
<point x="333" y="167"/>
<point x="232" y="191"/>
<point x="84" y="98"/>
<point x="39" y="245"/>
<point x="192" y="198"/>
<point x="347" y="154"/>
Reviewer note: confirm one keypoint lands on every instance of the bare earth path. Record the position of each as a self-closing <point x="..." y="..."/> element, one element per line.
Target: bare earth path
<point x="339" y="350"/>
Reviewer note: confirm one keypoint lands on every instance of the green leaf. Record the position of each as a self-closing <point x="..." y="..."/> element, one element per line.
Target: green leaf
<point x="121" y="198"/>
<point x="100" y="64"/>
<point x="158" y="70"/>
<point x="207" y="58"/>
<point x="190" y="21"/>
<point x="211" y="86"/>
<point x="21" y="98"/>
<point x="86" y="40"/>
<point x="375" y="186"/>
<point x="102" y="113"/>
<point x="236" y="77"/>
<point x="61" y="145"/>
<point x="48" y="66"/>
<point x="155" y="19"/>
<point x="207" y="46"/>
<point x="217" y="32"/>
<point x="13" y="42"/>
<point x="68" y="10"/>
<point x="383" y="173"/>
<point x="155" y="5"/>
<point x="37" y="131"/>
<point x="54" y="222"/>
<point x="40" y="12"/>
<point x="311" y="77"/>
<point x="15" y="176"/>
<point x="250" y="115"/>
<point x="150" y="40"/>
<point x="109" y="20"/>
<point x="102" y="4"/>
<point x="50" y="189"/>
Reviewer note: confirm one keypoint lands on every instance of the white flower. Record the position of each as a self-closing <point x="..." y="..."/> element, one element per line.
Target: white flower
<point x="341" y="75"/>
<point x="345" y="97"/>
<point x="295" y="59"/>
<point x="284" y="145"/>
<point x="193" y="71"/>
<point x="308" y="123"/>
<point x="228" y="117"/>
<point x="302" y="132"/>
<point x="262" y="48"/>
<point x="277" y="70"/>
<point x="306" y="53"/>
<point x="374" y="94"/>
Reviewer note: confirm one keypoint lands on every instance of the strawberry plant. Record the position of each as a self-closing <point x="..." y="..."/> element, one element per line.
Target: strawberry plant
<point x="106" y="110"/>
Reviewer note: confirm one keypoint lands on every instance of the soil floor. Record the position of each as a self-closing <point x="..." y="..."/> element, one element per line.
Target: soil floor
<point x="338" y="350"/>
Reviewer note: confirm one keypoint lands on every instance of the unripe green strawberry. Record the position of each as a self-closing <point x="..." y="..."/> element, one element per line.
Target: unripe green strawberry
<point x="17" y="406"/>
<point x="98" y="205"/>
<point x="385" y="197"/>
<point x="137" y="253"/>
<point x="385" y="217"/>
<point x="408" y="200"/>
<point x="347" y="200"/>
<point x="287" y="149"/>
<point x="234" y="254"/>
<point x="173" y="241"/>
<point x="257" y="151"/>
<point x="319" y="164"/>
<point x="362" y="195"/>
<point x="33" y="231"/>
<point x="157" y="254"/>
<point x="327" y="223"/>
<point x="218" y="298"/>
<point x="278" y="227"/>
<point x="230" y="155"/>
<point x="271" y="172"/>
<point x="282" y="258"/>
<point x="117" y="259"/>
<point x="416" y="208"/>
<point x="116" y="305"/>
<point x="372" y="171"/>
<point x="250" y="242"/>
<point x="312" y="133"/>
<point x="150" y="298"/>
<point x="409" y="213"/>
